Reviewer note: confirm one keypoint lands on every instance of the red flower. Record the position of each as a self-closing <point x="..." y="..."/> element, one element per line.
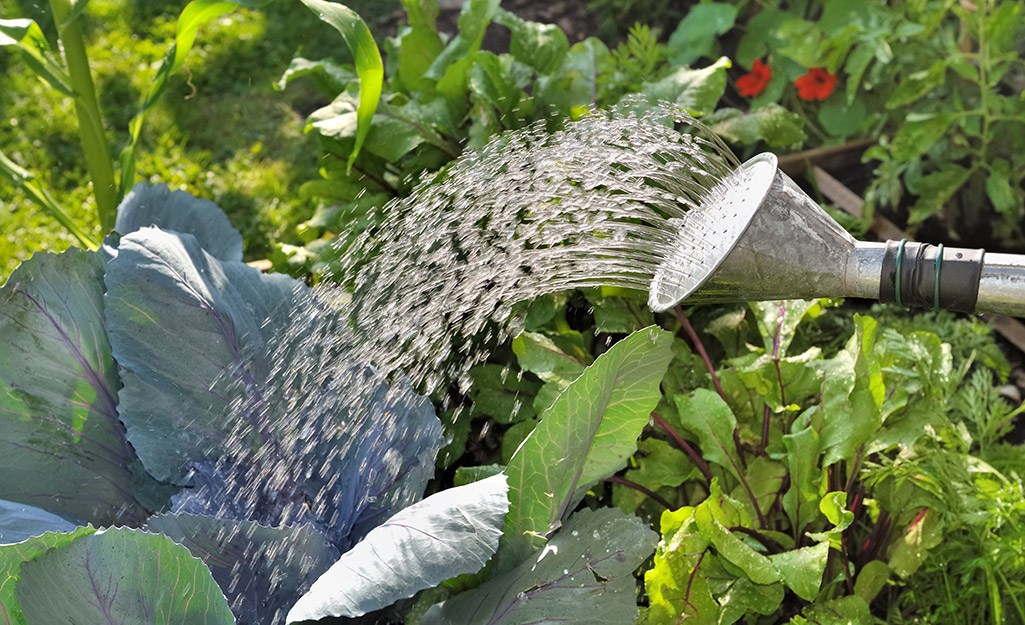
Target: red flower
<point x="754" y="83"/>
<point x="817" y="84"/>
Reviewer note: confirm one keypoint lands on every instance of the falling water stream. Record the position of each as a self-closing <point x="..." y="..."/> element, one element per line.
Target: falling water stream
<point x="418" y="299"/>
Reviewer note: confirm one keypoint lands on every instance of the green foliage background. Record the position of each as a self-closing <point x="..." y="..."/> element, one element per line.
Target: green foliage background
<point x="221" y="131"/>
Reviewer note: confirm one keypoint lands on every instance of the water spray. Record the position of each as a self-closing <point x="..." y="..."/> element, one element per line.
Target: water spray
<point x="758" y="236"/>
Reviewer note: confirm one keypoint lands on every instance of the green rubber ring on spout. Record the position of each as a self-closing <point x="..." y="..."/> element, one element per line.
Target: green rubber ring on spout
<point x="900" y="260"/>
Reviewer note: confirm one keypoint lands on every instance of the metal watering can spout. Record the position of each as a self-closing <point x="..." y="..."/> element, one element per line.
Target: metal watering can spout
<point x="758" y="236"/>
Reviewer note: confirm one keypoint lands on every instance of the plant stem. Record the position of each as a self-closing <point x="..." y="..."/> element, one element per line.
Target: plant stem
<point x="615" y="479"/>
<point x="693" y="336"/>
<point x="684" y="446"/>
<point x="90" y="122"/>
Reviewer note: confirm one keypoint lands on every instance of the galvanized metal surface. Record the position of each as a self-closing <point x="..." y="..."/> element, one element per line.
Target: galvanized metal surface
<point x="1002" y="284"/>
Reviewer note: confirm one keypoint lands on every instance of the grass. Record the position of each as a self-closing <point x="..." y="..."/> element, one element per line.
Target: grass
<point x="221" y="132"/>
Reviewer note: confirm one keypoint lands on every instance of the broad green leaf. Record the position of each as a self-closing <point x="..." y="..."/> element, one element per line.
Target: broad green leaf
<point x="935" y="189"/>
<point x="843" y="611"/>
<point x="419" y="47"/>
<point x="914" y="86"/>
<point x="912" y="546"/>
<point x="676" y="584"/>
<point x="706" y="415"/>
<point x="334" y="77"/>
<point x="20" y="522"/>
<point x="186" y="329"/>
<point x="540" y="355"/>
<point x="871" y="580"/>
<point x="803" y="41"/>
<point x="698" y="33"/>
<point x="63" y="444"/>
<point x="367" y="58"/>
<point x="26" y="35"/>
<point x="587" y="435"/>
<point x="659" y="465"/>
<point x="852" y="394"/>
<point x="473" y="21"/>
<point x="696" y="90"/>
<point x="160" y="581"/>
<point x="773" y="124"/>
<point x="469" y="475"/>
<point x="761" y="36"/>
<point x="541" y="46"/>
<point x="857" y="63"/>
<point x="583" y="576"/>
<point x="744" y="597"/>
<point x="619" y="315"/>
<point x="841" y="118"/>
<point x="262" y="570"/>
<point x="834" y="506"/>
<point x="756" y="566"/>
<point x="12" y="557"/>
<point x="179" y="211"/>
<point x="777" y="321"/>
<point x="999" y="189"/>
<point x="453" y="532"/>
<point x="919" y="133"/>
<point x="764" y="477"/>
<point x="338" y="119"/>
<point x="802" y="454"/>
<point x="802" y="569"/>
<point x="495" y="92"/>
<point x="502" y="393"/>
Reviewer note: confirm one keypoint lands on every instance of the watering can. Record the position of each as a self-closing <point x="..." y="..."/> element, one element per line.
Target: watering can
<point x="760" y="237"/>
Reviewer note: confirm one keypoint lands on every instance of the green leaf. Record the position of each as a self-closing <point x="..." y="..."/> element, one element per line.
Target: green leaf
<point x="756" y="566"/>
<point x="871" y="580"/>
<point x="696" y="90"/>
<point x="450" y="533"/>
<point x="935" y="189"/>
<point x="804" y="42"/>
<point x="834" y="506"/>
<point x="13" y="556"/>
<point x="179" y="211"/>
<point x="473" y="21"/>
<point x="194" y="15"/>
<point x="659" y="465"/>
<point x="587" y="435"/>
<point x="30" y="40"/>
<point x="852" y="394"/>
<point x="335" y="77"/>
<point x="619" y="315"/>
<point x="914" y="86"/>
<point x="77" y="8"/>
<point x="262" y="570"/>
<point x="367" y="58"/>
<point x="857" y="63"/>
<point x="912" y="547"/>
<point x="494" y="90"/>
<point x="81" y="578"/>
<point x="744" y="597"/>
<point x="186" y="329"/>
<point x="698" y="32"/>
<point x="764" y="477"/>
<point x="419" y="47"/>
<point x="802" y="569"/>
<point x="542" y="356"/>
<point x="502" y="393"/>
<point x="843" y="611"/>
<point x="841" y="118"/>
<point x="20" y="522"/>
<point x="773" y="124"/>
<point x="63" y="444"/>
<point x="761" y="35"/>
<point x="919" y="133"/>
<point x="802" y="454"/>
<point x="705" y="414"/>
<point x="999" y="189"/>
<point x="777" y="321"/>
<point x="23" y="179"/>
<point x="541" y="46"/>
<point x="583" y="577"/>
<point x="676" y="584"/>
